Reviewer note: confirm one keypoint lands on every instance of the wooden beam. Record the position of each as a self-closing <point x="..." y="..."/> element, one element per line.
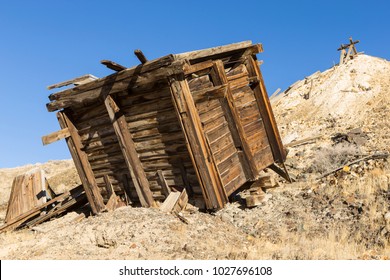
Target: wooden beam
<point x="303" y="141"/>
<point x="82" y="164"/>
<point x="210" y="93"/>
<point x="76" y="81"/>
<point x="352" y="44"/>
<point x="166" y="190"/>
<point x="175" y="202"/>
<point x="140" y="55"/>
<point x="210" y="183"/>
<point x="113" y="65"/>
<point x="130" y="154"/>
<point x="140" y="79"/>
<point x="266" y="110"/>
<point x="116" y="77"/>
<point x="189" y="69"/>
<point x="282" y="172"/>
<point x="213" y="51"/>
<point x="55" y="136"/>
<point x="109" y="187"/>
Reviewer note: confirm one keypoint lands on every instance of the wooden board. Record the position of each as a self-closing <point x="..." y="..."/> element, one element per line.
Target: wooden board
<point x="28" y="191"/>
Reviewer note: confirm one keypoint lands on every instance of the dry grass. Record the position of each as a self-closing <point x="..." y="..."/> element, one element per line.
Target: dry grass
<point x="329" y="158"/>
<point x="366" y="236"/>
<point x="336" y="244"/>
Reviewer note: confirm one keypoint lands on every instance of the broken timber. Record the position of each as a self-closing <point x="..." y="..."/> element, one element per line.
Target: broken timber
<point x="348" y="51"/>
<point x="373" y="156"/>
<point x="47" y="210"/>
<point x="199" y="121"/>
<point x="28" y="190"/>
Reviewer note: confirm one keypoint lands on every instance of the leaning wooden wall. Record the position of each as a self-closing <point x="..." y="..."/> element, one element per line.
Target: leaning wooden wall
<point x="222" y="104"/>
<point x="158" y="139"/>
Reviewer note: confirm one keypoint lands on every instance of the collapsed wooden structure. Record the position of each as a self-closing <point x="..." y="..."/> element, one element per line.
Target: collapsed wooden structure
<point x="199" y="121"/>
<point x="32" y="201"/>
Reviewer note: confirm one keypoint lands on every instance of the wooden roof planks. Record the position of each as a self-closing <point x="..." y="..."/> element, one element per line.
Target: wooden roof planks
<point x="199" y="121"/>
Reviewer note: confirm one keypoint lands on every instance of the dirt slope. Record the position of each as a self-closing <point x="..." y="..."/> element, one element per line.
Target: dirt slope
<point x="345" y="215"/>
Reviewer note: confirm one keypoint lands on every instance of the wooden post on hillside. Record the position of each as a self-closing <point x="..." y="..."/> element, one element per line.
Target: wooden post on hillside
<point x="345" y="54"/>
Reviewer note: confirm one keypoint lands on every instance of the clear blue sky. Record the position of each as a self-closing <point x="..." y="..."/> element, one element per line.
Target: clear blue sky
<point x="45" y="42"/>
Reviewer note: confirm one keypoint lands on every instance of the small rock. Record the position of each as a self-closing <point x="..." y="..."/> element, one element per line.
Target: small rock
<point x="225" y="218"/>
<point x="387" y="217"/>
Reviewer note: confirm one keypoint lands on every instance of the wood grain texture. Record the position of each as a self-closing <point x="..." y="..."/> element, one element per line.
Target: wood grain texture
<point x="132" y="160"/>
<point x="82" y="164"/>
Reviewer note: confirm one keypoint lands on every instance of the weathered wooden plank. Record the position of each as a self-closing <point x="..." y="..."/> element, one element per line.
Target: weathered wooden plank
<point x="55" y="136"/>
<point x="244" y="97"/>
<point x="172" y="142"/>
<point x="267" y="115"/>
<point x="248" y="110"/>
<point x="217" y="123"/>
<point x="224" y="153"/>
<point x="17" y="221"/>
<point x="130" y="154"/>
<point x="164" y="185"/>
<point x="76" y="197"/>
<point x="112" y="84"/>
<point x="116" y="77"/>
<point x="170" y="202"/>
<point x="207" y="106"/>
<point x="226" y="164"/>
<point x="109" y="187"/>
<point x="236" y="72"/>
<point x="238" y="83"/>
<point x="258" y="141"/>
<point x="209" y="93"/>
<point x="253" y="116"/>
<point x="235" y="184"/>
<point x="211" y="115"/>
<point x="198" y="83"/>
<point x="235" y="119"/>
<point x="148" y="106"/>
<point x="181" y="203"/>
<point x="76" y="81"/>
<point x="254" y="197"/>
<point x="220" y="131"/>
<point x="151" y="122"/>
<point x="234" y="170"/>
<point x="189" y="69"/>
<point x="253" y="127"/>
<point x="175" y="202"/>
<point x="264" y="157"/>
<point x="140" y="55"/>
<point x="113" y="65"/>
<point x="192" y="55"/>
<point x="82" y="164"/>
<point x="212" y="189"/>
<point x="28" y="191"/>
